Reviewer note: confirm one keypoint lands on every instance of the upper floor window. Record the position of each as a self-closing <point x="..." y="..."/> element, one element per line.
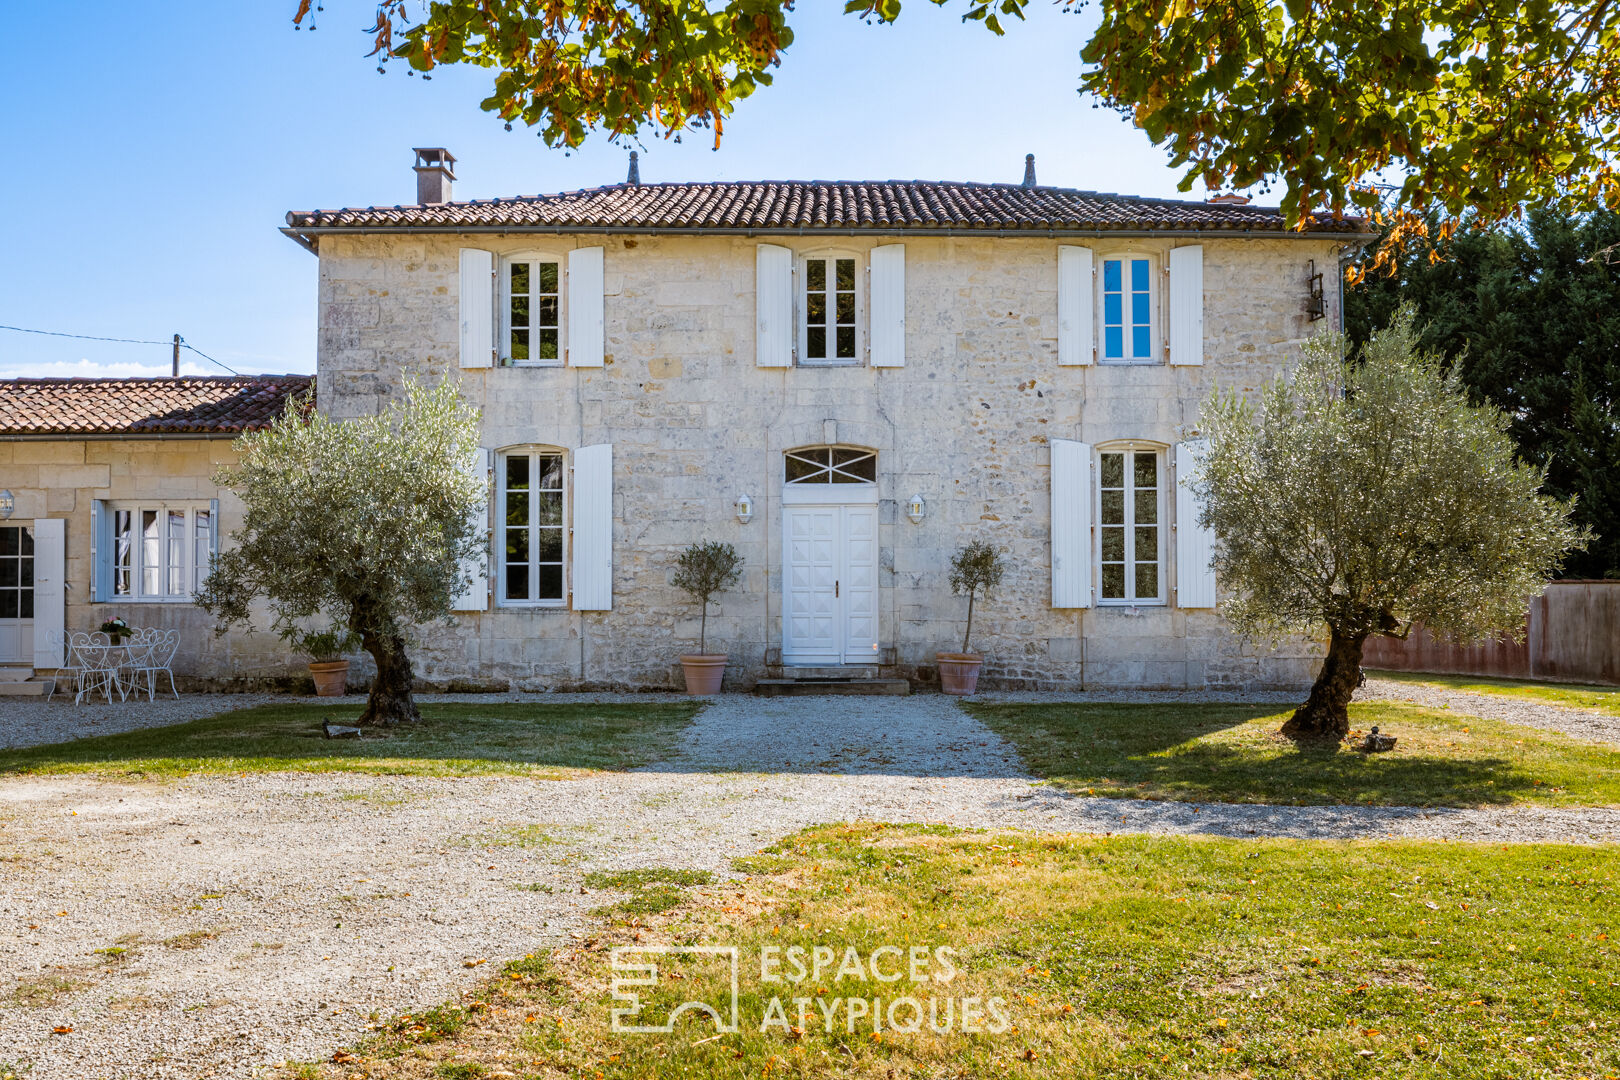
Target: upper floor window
<point x="529" y="509"/>
<point x="1127" y="309"/>
<point x="829" y="311"/>
<point x="531" y="306"/>
<point x="160" y="552"/>
<point x="1130" y="533"/>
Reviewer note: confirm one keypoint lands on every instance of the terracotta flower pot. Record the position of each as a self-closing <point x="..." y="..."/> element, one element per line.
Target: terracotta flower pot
<point x="703" y="673"/>
<point x="958" y="672"/>
<point x="331" y="677"/>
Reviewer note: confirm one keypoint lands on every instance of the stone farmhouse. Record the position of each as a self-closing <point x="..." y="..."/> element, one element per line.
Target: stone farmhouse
<point x="845" y="380"/>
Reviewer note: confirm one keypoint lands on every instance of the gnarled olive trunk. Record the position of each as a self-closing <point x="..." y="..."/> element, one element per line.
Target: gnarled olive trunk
<point x="390" y="702"/>
<point x="1326" y="713"/>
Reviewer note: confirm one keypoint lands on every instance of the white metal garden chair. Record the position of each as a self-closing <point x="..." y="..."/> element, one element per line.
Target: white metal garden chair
<point x="91" y="665"/>
<point x="152" y="654"/>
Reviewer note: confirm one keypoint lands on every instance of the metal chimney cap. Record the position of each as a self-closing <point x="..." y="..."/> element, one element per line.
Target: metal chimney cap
<point x="1029" y="170"/>
<point x="635" y="169"/>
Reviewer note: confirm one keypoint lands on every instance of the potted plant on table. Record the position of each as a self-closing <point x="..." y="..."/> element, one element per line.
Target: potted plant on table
<point x="327" y="665"/>
<point x="116" y="630"/>
<point x="976" y="569"/>
<point x="703" y="570"/>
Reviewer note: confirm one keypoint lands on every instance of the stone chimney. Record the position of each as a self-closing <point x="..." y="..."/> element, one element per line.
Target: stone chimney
<point x="435" y="169"/>
<point x="1029" y="170"/>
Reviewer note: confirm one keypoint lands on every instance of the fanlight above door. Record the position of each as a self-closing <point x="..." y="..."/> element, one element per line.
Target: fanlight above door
<point x="831" y="465"/>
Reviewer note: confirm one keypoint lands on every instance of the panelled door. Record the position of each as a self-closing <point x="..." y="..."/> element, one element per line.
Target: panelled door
<point x="16" y="595"/>
<point x="829" y="609"/>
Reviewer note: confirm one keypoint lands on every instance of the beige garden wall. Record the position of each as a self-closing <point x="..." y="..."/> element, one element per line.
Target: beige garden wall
<point x="694" y="423"/>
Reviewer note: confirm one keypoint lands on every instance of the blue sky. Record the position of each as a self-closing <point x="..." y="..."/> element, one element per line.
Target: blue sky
<point x="146" y="176"/>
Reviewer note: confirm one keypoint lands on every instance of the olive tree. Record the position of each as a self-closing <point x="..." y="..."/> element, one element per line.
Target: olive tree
<point x="1367" y="493"/>
<point x="703" y="570"/>
<point x="366" y="523"/>
<point x="976" y="569"/>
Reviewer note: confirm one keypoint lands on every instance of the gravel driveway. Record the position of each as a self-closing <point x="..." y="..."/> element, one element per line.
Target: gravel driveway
<point x="263" y="916"/>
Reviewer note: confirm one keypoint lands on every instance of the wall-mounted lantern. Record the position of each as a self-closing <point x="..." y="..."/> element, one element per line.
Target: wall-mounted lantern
<point x="745" y="509"/>
<point x="7" y="504"/>
<point x="915" y="509"/>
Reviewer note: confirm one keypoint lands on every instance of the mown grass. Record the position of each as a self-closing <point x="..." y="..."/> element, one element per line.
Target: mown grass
<point x="539" y="740"/>
<point x="1110" y="956"/>
<point x="1232" y="753"/>
<point x="1576" y="695"/>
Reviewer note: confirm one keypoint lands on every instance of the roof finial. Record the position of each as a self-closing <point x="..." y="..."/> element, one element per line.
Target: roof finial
<point x="635" y="170"/>
<point x="1029" y="170"/>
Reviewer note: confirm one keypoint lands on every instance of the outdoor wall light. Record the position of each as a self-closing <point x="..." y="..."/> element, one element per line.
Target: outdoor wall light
<point x="745" y="509"/>
<point x="916" y="508"/>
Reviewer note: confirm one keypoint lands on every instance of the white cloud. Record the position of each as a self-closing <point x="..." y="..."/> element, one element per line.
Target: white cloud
<point x="90" y="369"/>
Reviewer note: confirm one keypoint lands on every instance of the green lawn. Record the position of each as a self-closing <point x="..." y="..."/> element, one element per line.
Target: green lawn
<point x="451" y="740"/>
<point x="1112" y="957"/>
<point x="1232" y="753"/>
<point x="1600" y="698"/>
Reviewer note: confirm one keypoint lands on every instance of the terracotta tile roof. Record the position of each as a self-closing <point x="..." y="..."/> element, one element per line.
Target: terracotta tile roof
<point x="878" y="206"/>
<point x="197" y="405"/>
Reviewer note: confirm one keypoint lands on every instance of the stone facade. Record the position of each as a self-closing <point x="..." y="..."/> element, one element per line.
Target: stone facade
<point x="694" y="423"/>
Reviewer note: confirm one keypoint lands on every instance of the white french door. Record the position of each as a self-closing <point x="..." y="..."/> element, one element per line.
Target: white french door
<point x="829" y="592"/>
<point x="16" y="595"/>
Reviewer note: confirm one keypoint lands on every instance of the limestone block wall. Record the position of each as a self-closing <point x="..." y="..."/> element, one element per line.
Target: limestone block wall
<point x="694" y="423"/>
<point x="62" y="478"/>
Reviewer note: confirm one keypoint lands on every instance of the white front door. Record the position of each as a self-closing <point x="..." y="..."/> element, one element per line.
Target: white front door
<point x="16" y="595"/>
<point x="829" y="594"/>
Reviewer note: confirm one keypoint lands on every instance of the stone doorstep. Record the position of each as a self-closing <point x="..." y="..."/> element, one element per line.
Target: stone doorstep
<point x="31" y="688"/>
<point x="16" y="674"/>
<point x="806" y="687"/>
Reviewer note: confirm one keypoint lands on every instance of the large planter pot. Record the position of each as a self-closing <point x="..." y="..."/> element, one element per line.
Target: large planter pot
<point x="958" y="672"/>
<point x="331" y="677"/>
<point x="703" y="673"/>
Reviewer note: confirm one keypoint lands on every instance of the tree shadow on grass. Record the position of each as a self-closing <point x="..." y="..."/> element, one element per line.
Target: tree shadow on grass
<point x="451" y="739"/>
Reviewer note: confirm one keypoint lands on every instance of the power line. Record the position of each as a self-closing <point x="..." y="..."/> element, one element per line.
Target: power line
<point x="184" y="344"/>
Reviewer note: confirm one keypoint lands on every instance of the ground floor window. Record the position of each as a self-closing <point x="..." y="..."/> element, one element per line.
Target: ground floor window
<point x="1130" y="533"/>
<point x="532" y="538"/>
<point x="160" y="552"/>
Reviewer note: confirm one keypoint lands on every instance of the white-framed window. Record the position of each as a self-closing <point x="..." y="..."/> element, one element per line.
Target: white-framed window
<point x="160" y="552"/>
<point x="1127" y="291"/>
<point x="530" y="508"/>
<point x="1131" y="485"/>
<point x="830" y="309"/>
<point x="531" y="299"/>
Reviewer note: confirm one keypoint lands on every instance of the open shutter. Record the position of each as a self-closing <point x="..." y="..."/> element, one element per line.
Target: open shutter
<point x="477" y="308"/>
<point x="101" y="549"/>
<point x="476" y="595"/>
<point x="213" y="529"/>
<point x="1071" y="524"/>
<point x="1075" y="303"/>
<point x="593" y="528"/>
<point x="1187" y="305"/>
<point x="773" y="306"/>
<point x="50" y="590"/>
<point x="1195" y="545"/>
<point x="585" y="346"/>
<point x="888" y="316"/>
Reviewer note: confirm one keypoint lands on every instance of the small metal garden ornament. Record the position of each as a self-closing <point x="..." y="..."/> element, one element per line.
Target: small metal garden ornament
<point x="1375" y="743"/>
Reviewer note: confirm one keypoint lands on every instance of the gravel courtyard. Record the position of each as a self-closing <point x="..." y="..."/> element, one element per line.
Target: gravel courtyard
<point x="262" y="917"/>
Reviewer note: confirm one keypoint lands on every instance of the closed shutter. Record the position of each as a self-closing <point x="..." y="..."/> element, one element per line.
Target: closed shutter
<point x="1071" y="524"/>
<point x="593" y="528"/>
<point x="475" y="596"/>
<point x="101" y="549"/>
<point x="50" y="590"/>
<point x="477" y="308"/>
<point x="888" y="316"/>
<point x="1195" y="545"/>
<point x="773" y="306"/>
<point x="1075" y="304"/>
<point x="585" y="347"/>
<point x="1187" y="305"/>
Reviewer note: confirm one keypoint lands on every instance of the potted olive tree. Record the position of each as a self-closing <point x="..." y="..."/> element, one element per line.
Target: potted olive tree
<point x="703" y="570"/>
<point x="976" y="569"/>
<point x="327" y="664"/>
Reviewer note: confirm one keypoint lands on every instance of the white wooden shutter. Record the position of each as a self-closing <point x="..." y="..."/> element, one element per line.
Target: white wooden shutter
<point x="475" y="597"/>
<point x="1071" y="524"/>
<point x="585" y="346"/>
<point x="1195" y="545"/>
<point x="888" y="314"/>
<point x="213" y="531"/>
<point x="1076" y="299"/>
<point x="101" y="549"/>
<point x="1187" y="305"/>
<point x="50" y="590"/>
<point x="593" y="528"/>
<point x="477" y="307"/>
<point x="773" y="306"/>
